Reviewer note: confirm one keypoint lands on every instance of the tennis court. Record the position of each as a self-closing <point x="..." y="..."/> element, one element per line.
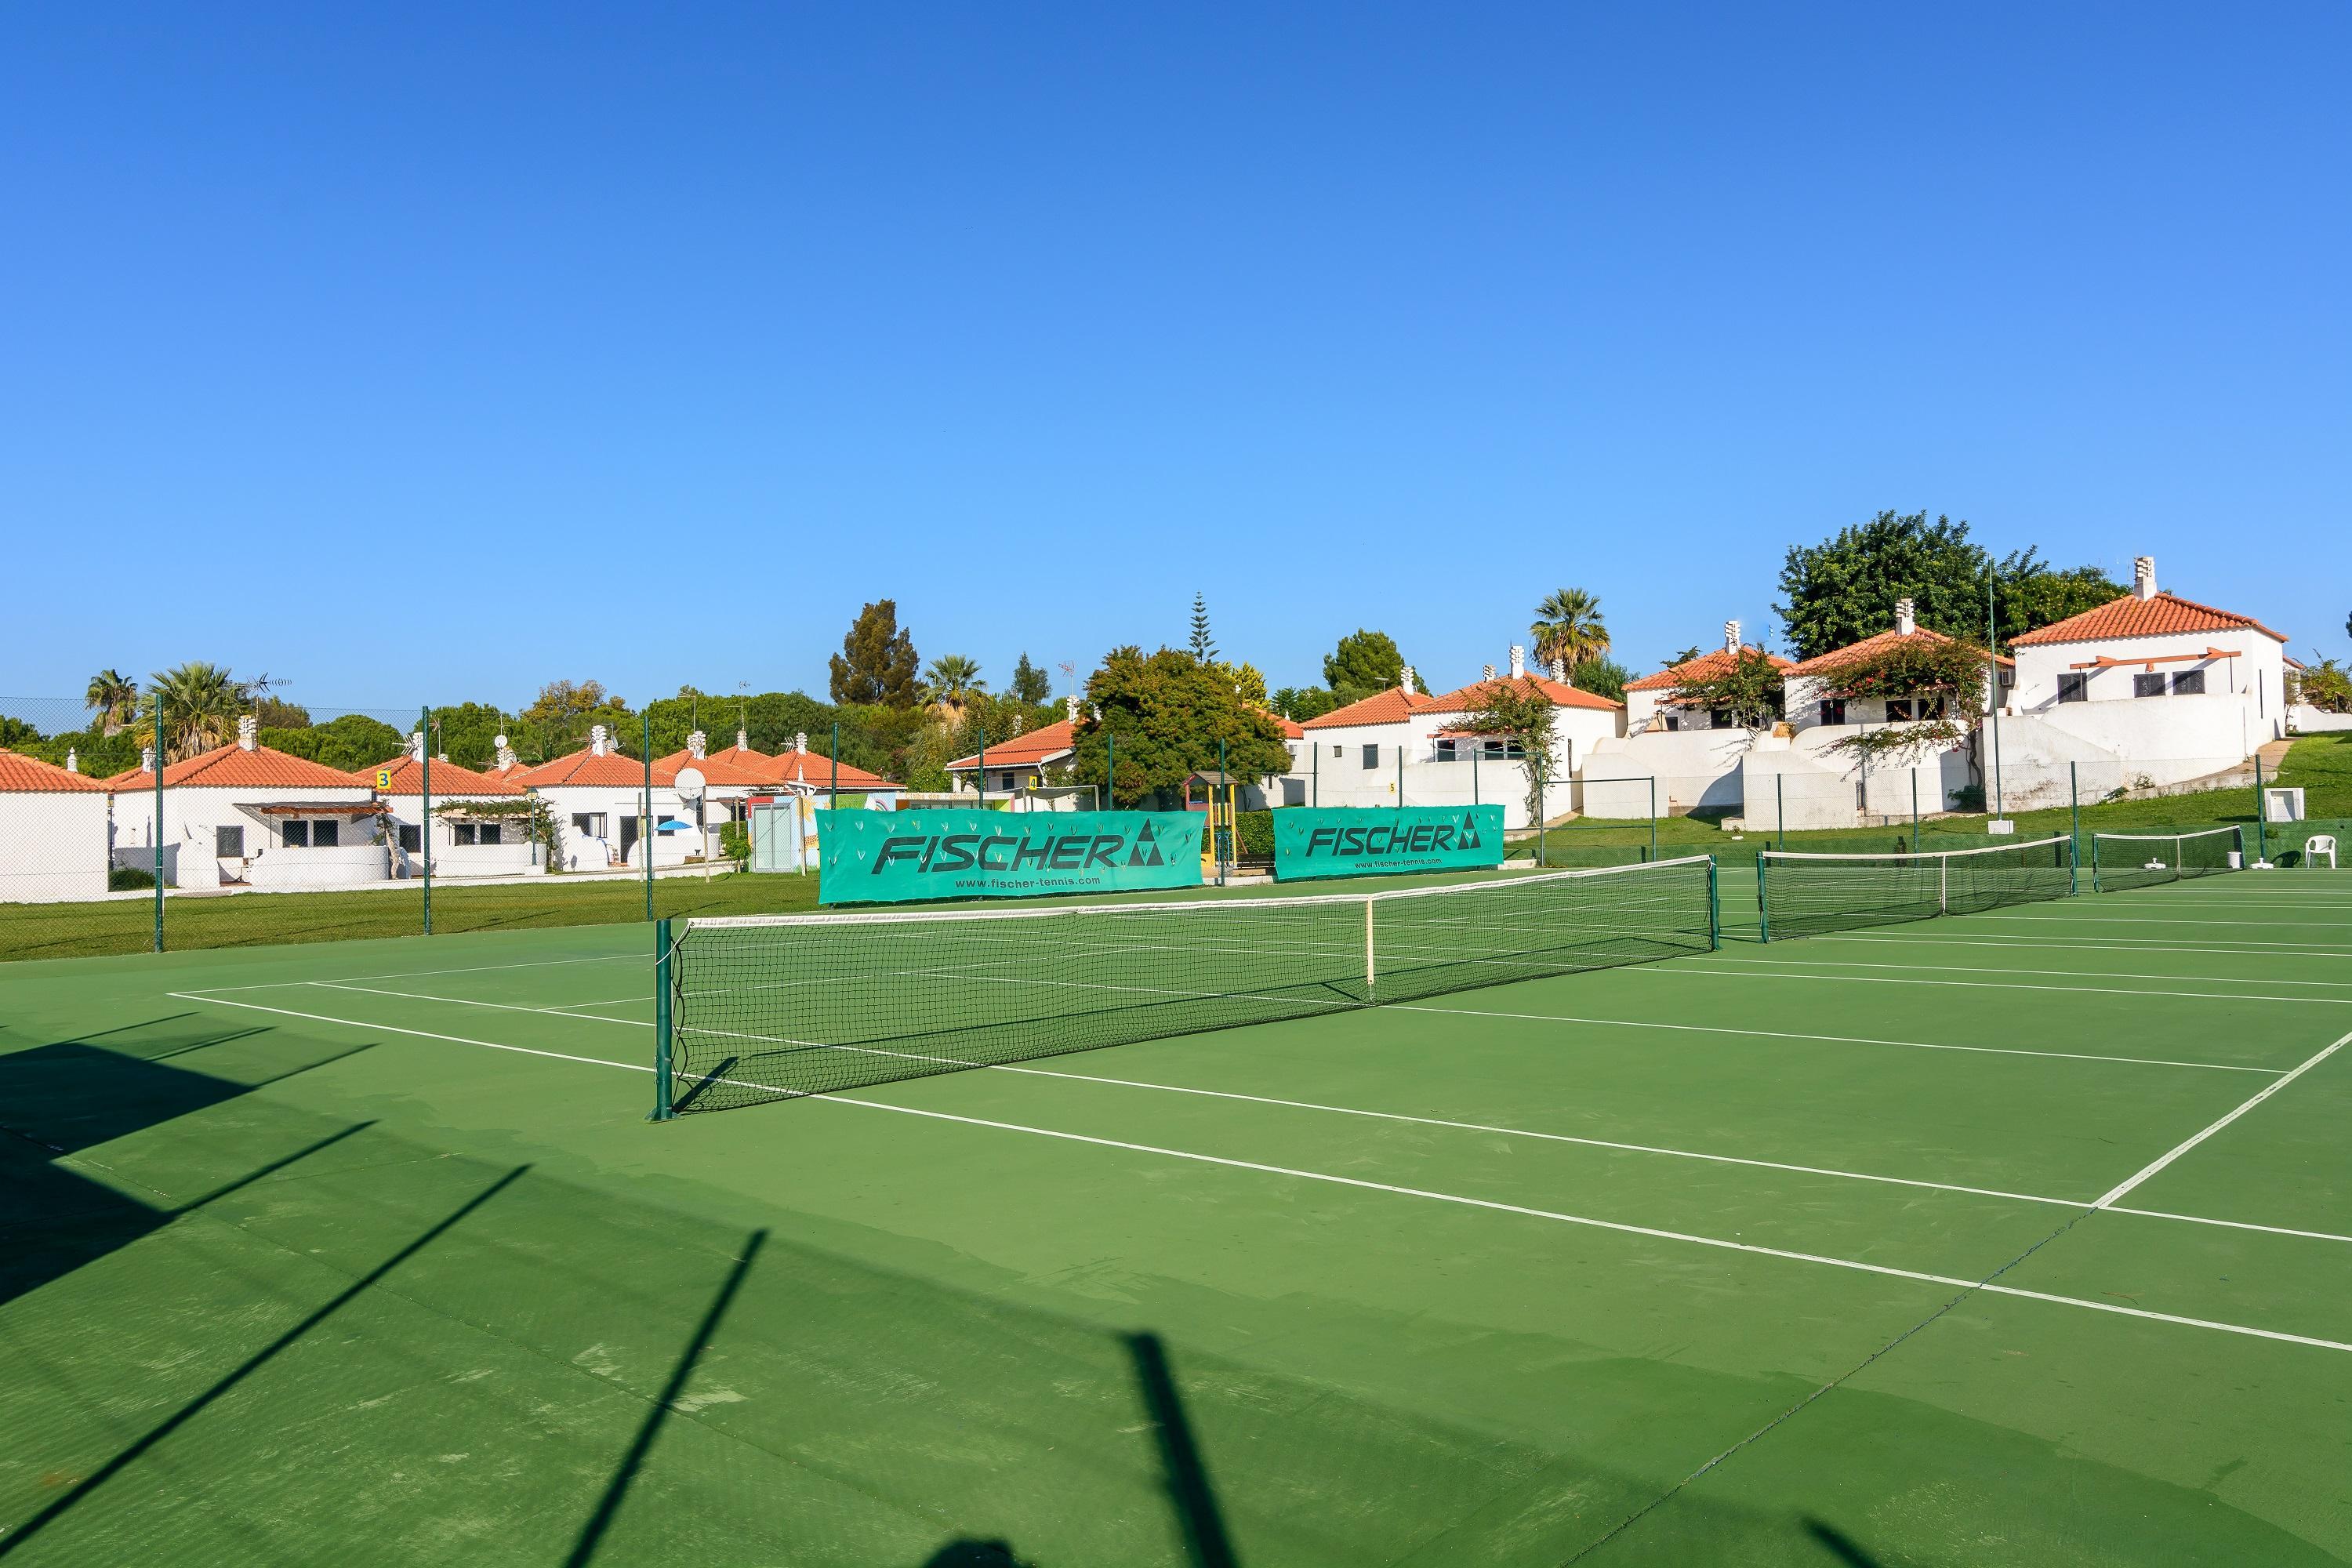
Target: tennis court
<point x="2017" y="1237"/>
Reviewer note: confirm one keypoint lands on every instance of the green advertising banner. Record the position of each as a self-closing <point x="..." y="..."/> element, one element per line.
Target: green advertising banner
<point x="888" y="857"/>
<point x="1380" y="840"/>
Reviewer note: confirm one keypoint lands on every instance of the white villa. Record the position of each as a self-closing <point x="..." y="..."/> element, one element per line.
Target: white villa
<point x="249" y="817"/>
<point x="55" y="847"/>
<point x="598" y="796"/>
<point x="1352" y="756"/>
<point x="1688" y="758"/>
<point x="465" y="843"/>
<point x="1020" y="760"/>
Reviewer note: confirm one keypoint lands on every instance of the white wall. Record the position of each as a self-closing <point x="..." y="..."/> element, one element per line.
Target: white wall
<point x="614" y="802"/>
<point x="2305" y="720"/>
<point x="1694" y="768"/>
<point x="513" y="855"/>
<point x="1343" y="780"/>
<point x="53" y="845"/>
<point x="192" y="817"/>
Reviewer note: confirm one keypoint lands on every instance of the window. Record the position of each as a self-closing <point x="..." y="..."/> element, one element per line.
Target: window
<point x="1897" y="709"/>
<point x="1832" y="710"/>
<point x="412" y="837"/>
<point x="1336" y="753"/>
<point x="487" y="833"/>
<point x="325" y="835"/>
<point x="2074" y="688"/>
<point x="459" y="833"/>
<point x="1371" y="756"/>
<point x="591" y="822"/>
<point x="1446" y="752"/>
<point x="2188" y="683"/>
<point x="228" y="843"/>
<point x="1931" y="707"/>
<point x="1718" y="718"/>
<point x="295" y="834"/>
<point x="2147" y="685"/>
<point x="1674" y="721"/>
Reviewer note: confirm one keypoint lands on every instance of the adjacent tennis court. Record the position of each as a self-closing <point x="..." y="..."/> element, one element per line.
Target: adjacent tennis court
<point x="2021" y="1236"/>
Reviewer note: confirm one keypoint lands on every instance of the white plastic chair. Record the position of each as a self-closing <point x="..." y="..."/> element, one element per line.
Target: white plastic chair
<point x="2315" y="845"/>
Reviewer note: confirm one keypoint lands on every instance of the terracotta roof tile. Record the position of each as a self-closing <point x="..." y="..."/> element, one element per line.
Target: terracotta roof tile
<point x="1704" y="666"/>
<point x="811" y="770"/>
<point x="584" y="767"/>
<point x="1392" y="705"/>
<point x="2132" y="617"/>
<point x="1839" y="658"/>
<point x="233" y="767"/>
<point x="1473" y="697"/>
<point x="449" y="780"/>
<point x="21" y="774"/>
<point x="729" y="769"/>
<point x="1037" y="746"/>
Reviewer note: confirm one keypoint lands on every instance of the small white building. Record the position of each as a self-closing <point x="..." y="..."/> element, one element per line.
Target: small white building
<point x="1019" y="762"/>
<point x="52" y="833"/>
<point x="599" y="798"/>
<point x="249" y="817"/>
<point x="1674" y="758"/>
<point x="471" y="836"/>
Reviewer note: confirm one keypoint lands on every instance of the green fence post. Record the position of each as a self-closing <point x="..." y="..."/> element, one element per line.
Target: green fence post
<point x="1653" y="819"/>
<point x="1780" y="808"/>
<point x="155" y="835"/>
<point x="1542" y="860"/>
<point x="1110" y="770"/>
<point x="979" y="768"/>
<point x="2262" y="837"/>
<point x="1476" y="747"/>
<point x="833" y="790"/>
<point x="646" y="818"/>
<point x="1315" y="784"/>
<point x="1220" y="838"/>
<point x="1914" y="810"/>
<point x="664" y="1104"/>
<point x="2074" y="835"/>
<point x="424" y="813"/>
<point x="1714" y="909"/>
<point x="1399" y="778"/>
<point x="1763" y="903"/>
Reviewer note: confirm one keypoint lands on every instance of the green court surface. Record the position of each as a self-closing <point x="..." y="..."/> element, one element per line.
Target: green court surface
<point x="2020" y="1237"/>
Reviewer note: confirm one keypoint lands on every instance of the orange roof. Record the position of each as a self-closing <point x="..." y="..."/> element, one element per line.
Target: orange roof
<point x="739" y="757"/>
<point x="721" y="768"/>
<point x="584" y="767"/>
<point x="1473" y="697"/>
<point x="1056" y="740"/>
<point x="233" y="767"/>
<point x="448" y="778"/>
<point x="2132" y="617"/>
<point x="1393" y="706"/>
<point x="814" y="771"/>
<point x="1837" y="658"/>
<point x="21" y="775"/>
<point x="1704" y="666"/>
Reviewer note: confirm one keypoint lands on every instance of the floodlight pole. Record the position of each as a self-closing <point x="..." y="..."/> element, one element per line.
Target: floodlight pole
<point x="156" y="836"/>
<point x="1992" y="694"/>
<point x="424" y="816"/>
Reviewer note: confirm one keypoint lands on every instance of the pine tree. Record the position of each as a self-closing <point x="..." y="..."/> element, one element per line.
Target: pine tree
<point x="1029" y="684"/>
<point x="1204" y="647"/>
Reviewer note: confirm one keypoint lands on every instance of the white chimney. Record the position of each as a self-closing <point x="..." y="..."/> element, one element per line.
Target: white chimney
<point x="146" y="759"/>
<point x="1905" y="622"/>
<point x="596" y="740"/>
<point x="697" y="745"/>
<point x="1519" y="661"/>
<point x="248" y="731"/>
<point x="1404" y="680"/>
<point x="800" y="741"/>
<point x="416" y="745"/>
<point x="1731" y="637"/>
<point x="742" y="742"/>
<point x="2143" y="576"/>
<point x="73" y="763"/>
<point x="1559" y="672"/>
<point x="1070" y="707"/>
<point x="506" y="754"/>
<point x="1490" y="673"/>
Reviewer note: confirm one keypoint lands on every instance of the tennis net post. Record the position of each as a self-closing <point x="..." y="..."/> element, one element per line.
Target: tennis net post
<point x="665" y="1099"/>
<point x="1714" y="909"/>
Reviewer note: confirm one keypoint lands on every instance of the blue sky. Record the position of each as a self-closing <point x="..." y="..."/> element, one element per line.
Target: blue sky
<point x="425" y="355"/>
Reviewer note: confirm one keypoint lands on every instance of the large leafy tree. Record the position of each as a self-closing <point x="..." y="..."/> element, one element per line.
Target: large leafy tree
<point x="1169" y="711"/>
<point x="1363" y="663"/>
<point x="467" y="733"/>
<point x="1844" y="589"/>
<point x="877" y="663"/>
<point x="558" y="719"/>
<point x="1299" y="703"/>
<point x="1029" y="683"/>
<point x="1522" y="714"/>
<point x="114" y="698"/>
<point x="1567" y="626"/>
<point x="1604" y="677"/>
<point x="351" y="742"/>
<point x="202" y="703"/>
<point x="1750" y="689"/>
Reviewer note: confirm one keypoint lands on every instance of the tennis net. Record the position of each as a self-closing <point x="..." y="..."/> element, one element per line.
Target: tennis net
<point x="1803" y="894"/>
<point x="2120" y="860"/>
<point x="761" y="1008"/>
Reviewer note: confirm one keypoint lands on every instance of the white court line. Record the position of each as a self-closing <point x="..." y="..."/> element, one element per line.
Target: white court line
<point x="1995" y="985"/>
<point x="2062" y="973"/>
<point x="466" y="1002"/>
<point x="2186" y="1144"/>
<point x="1833" y="1040"/>
<point x="1377" y="1187"/>
<point x="2230" y="1224"/>
<point x="2055" y="946"/>
<point x="424" y="974"/>
<point x="2141" y="920"/>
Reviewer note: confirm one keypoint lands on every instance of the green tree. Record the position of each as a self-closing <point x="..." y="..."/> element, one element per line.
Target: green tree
<point x="1300" y="703"/>
<point x="1169" y="711"/>
<point x="1522" y="714"/>
<point x="1750" y="689"/>
<point x="2324" y="685"/>
<point x="467" y="733"/>
<point x="1029" y="683"/>
<point x="1567" y="626"/>
<point x="773" y="718"/>
<point x="202" y="703"/>
<point x="1363" y="663"/>
<point x="559" y="718"/>
<point x="1602" y="677"/>
<point x="114" y="698"/>
<point x="351" y="743"/>
<point x="2030" y="595"/>
<point x="877" y="663"/>
<point x="1203" y="645"/>
<point x="1248" y="684"/>
<point x="1685" y="656"/>
<point x="277" y="713"/>
<point x="951" y="682"/>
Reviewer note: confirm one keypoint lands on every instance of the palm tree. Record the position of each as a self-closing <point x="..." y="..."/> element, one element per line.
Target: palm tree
<point x="201" y="704"/>
<point x="1568" y="627"/>
<point x="114" y="698"/>
<point x="951" y="681"/>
